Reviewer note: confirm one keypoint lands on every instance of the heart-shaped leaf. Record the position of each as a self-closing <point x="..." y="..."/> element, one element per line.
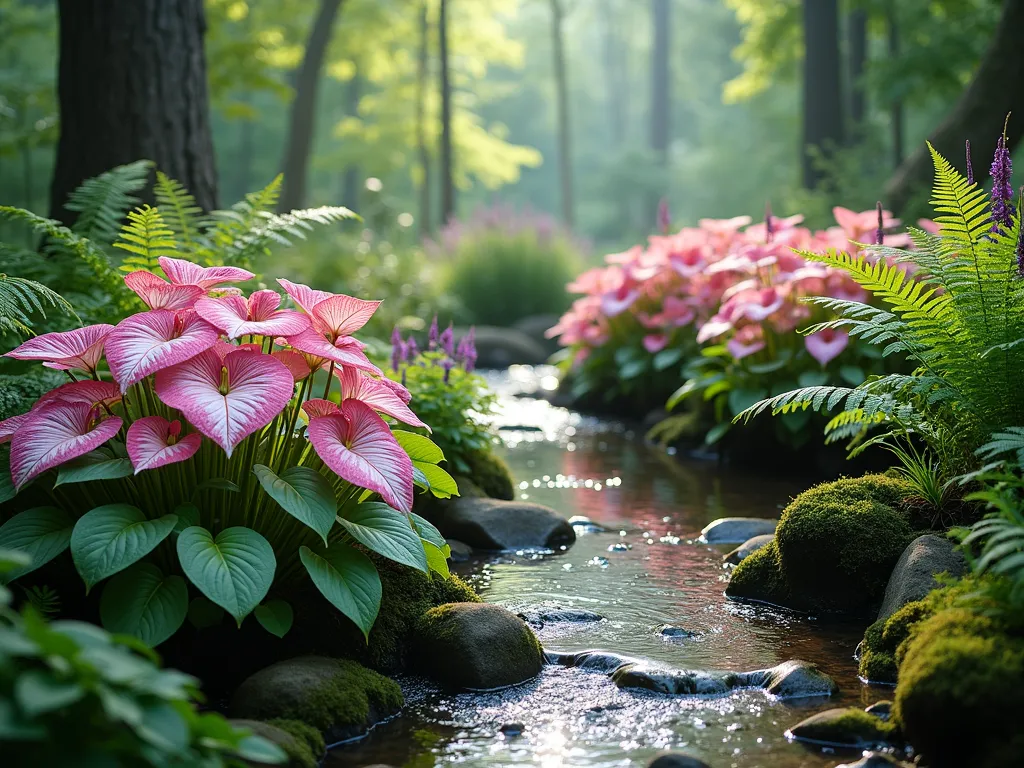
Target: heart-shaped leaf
<point x="154" y="442"/>
<point x="110" y="538"/>
<point x="303" y="493"/>
<point x="376" y="394"/>
<point x="229" y="400"/>
<point x="436" y="559"/>
<point x="41" y="533"/>
<point x="275" y="616"/>
<point x="418" y="447"/>
<point x="349" y="581"/>
<point x="188" y="515"/>
<point x="428" y="532"/>
<point x="389" y="533"/>
<point x="95" y="465"/>
<point x="235" y="570"/>
<point x="144" y="603"/>
<point x="150" y="341"/>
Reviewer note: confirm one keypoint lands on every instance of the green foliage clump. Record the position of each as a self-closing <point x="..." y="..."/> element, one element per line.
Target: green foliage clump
<point x="500" y="277"/>
<point x="835" y="547"/>
<point x="19" y="393"/>
<point x="961" y="691"/>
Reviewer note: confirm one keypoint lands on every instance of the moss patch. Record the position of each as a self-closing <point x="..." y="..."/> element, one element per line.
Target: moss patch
<point x="853" y="727"/>
<point x="309" y="744"/>
<point x="834" y="548"/>
<point x="961" y="691"/>
<point x="491" y="474"/>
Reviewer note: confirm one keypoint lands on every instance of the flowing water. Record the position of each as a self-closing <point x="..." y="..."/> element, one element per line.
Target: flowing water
<point x="644" y="569"/>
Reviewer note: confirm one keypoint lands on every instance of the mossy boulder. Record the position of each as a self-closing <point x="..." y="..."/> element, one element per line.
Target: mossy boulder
<point x="496" y="525"/>
<point x="916" y="573"/>
<point x="491" y="474"/>
<point x="476" y="646"/>
<point x="303" y="744"/>
<point x="834" y="548"/>
<point x="961" y="691"/>
<point x="850" y="727"/>
<point x="338" y="697"/>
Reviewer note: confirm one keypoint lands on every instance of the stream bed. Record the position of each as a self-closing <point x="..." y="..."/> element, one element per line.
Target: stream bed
<point x="641" y="568"/>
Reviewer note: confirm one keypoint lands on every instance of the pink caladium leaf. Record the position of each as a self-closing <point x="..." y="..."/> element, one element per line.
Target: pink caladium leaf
<point x="159" y="294"/>
<point x="86" y="391"/>
<point x="145" y="343"/>
<point x="294" y="362"/>
<point x="358" y="447"/>
<point x="403" y="394"/>
<point x="153" y="442"/>
<point x="227" y="401"/>
<point x="342" y="315"/>
<point x="56" y="433"/>
<point x="81" y="348"/>
<point x="257" y="316"/>
<point x="8" y="427"/>
<point x="827" y="344"/>
<point x="303" y="296"/>
<point x="344" y="351"/>
<point x="376" y="394"/>
<point x="315" y="408"/>
<point x="181" y="272"/>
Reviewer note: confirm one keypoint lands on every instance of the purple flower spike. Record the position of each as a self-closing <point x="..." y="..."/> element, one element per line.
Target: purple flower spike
<point x="432" y="336"/>
<point x="664" y="218"/>
<point x="1003" y="209"/>
<point x="970" y="165"/>
<point x="411" y="349"/>
<point x="447" y="340"/>
<point x="468" y="345"/>
<point x="769" y="223"/>
<point x="880" y="232"/>
<point x="447" y="365"/>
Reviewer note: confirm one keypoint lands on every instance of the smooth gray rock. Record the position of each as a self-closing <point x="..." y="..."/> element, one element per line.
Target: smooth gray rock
<point x="676" y="760"/>
<point x="842" y="727"/>
<point x="536" y="327"/>
<point x="880" y="709"/>
<point x="461" y="551"/>
<point x="736" y="530"/>
<point x="476" y="646"/>
<point x="914" y="575"/>
<point x="492" y="524"/>
<point x="583" y="524"/>
<point x="747" y="548"/>
<point x="670" y="632"/>
<point x="793" y="680"/>
<point x="539" y="617"/>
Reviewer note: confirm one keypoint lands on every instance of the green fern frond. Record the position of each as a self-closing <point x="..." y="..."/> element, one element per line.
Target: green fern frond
<point x="241" y="243"/>
<point x="103" y="201"/>
<point x="1009" y="441"/>
<point x="181" y="213"/>
<point x="21" y="298"/>
<point x="963" y="207"/>
<point x="44" y="599"/>
<point x="146" y="237"/>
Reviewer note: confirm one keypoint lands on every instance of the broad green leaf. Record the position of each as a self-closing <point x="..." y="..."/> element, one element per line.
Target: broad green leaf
<point x="717" y="432"/>
<point x="387" y="532"/>
<point x="202" y="613"/>
<point x="42" y="533"/>
<point x="217" y="484"/>
<point x="165" y="728"/>
<point x="260" y="750"/>
<point x="419" y="479"/>
<point x="436" y="559"/>
<point x="426" y="530"/>
<point x="667" y="358"/>
<point x="418" y="447"/>
<point x="95" y="465"/>
<point x="188" y="515"/>
<point x="275" y="616"/>
<point x="110" y="538"/>
<point x="304" y="494"/>
<point x="349" y="581"/>
<point x="7" y="489"/>
<point x="441" y="483"/>
<point x="38" y="692"/>
<point x="11" y="559"/>
<point x="144" y="603"/>
<point x="235" y="570"/>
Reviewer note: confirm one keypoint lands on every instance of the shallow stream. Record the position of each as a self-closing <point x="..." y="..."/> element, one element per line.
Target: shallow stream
<point x="644" y="570"/>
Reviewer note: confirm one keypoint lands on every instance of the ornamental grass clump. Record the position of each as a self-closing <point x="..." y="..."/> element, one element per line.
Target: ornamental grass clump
<point x="221" y="447"/>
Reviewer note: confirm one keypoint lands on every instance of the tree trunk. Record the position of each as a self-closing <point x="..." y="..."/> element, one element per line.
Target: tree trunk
<point x="978" y="115"/>
<point x="447" y="174"/>
<point x="823" y="105"/>
<point x="896" y="108"/>
<point x="562" y="100"/>
<point x="131" y="83"/>
<point x="857" y="35"/>
<point x="302" y="118"/>
<point x="422" y="78"/>
<point x="660" y="85"/>
<point x="614" y="75"/>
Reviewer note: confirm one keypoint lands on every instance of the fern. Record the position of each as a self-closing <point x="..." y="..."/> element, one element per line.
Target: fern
<point x="20" y="298"/>
<point x="181" y="213"/>
<point x="102" y="202"/>
<point x="44" y="599"/>
<point x="146" y="238"/>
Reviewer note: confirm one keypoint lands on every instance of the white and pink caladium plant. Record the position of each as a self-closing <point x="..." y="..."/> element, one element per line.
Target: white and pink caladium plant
<point x="228" y="443"/>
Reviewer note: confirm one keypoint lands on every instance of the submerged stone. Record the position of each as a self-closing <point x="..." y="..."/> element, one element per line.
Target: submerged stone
<point x="338" y="697"/>
<point x="495" y="525"/>
<point x="301" y="753"/>
<point x="852" y="727"/>
<point x="676" y="760"/>
<point x="583" y="524"/>
<point x="670" y="632"/>
<point x="792" y="680"/>
<point x="880" y="709"/>
<point x="542" y="616"/>
<point x="476" y="646"/>
<point x="914" y="575"/>
<point x="875" y="760"/>
<point x="671" y="681"/>
<point x="747" y="548"/>
<point x="736" y="530"/>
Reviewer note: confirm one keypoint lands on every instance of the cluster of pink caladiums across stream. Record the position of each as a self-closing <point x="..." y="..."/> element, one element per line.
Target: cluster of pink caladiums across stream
<point x="208" y="397"/>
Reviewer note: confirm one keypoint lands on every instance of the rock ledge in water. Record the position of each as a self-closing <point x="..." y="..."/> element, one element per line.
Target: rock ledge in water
<point x="493" y="524"/>
<point x="915" y="571"/>
<point x="539" y="617"/>
<point x="676" y="760"/>
<point x="747" y="548"/>
<point x="736" y="530"/>
<point x="852" y="728"/>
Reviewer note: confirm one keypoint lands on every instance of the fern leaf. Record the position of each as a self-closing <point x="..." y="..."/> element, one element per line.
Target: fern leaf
<point x="181" y="213"/>
<point x="21" y="298"/>
<point x="103" y="201"/>
<point x="147" y="238"/>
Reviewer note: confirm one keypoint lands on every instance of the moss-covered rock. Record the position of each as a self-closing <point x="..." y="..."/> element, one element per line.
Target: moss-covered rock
<point x="338" y="697"/>
<point x="476" y="646"/>
<point x="283" y="733"/>
<point x="305" y="735"/>
<point x="834" y="548"/>
<point x="491" y="474"/>
<point x="961" y="691"/>
<point x="850" y="727"/>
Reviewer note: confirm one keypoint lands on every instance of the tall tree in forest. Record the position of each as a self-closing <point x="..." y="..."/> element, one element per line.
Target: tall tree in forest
<point x="301" y="120"/>
<point x="857" y="50"/>
<point x="822" y="104"/>
<point x="422" y="78"/>
<point x="447" y="160"/>
<point x="978" y="115"/>
<point x="131" y="83"/>
<point x="661" y="106"/>
<point x="562" y="102"/>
